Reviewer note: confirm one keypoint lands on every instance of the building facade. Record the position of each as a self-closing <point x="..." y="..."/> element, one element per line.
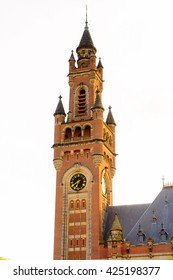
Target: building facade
<point x="87" y="225"/>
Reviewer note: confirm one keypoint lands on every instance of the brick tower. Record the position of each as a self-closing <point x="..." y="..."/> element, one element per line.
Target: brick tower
<point x="84" y="159"/>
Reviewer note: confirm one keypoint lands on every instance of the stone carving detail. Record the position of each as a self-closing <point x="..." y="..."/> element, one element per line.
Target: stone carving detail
<point x="97" y="159"/>
<point x="58" y="163"/>
<point x="113" y="169"/>
<point x="77" y="166"/>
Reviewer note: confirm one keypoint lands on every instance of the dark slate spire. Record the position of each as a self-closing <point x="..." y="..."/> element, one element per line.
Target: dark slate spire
<point x="110" y="118"/>
<point x="60" y="108"/>
<point x="100" y="63"/>
<point x="98" y="102"/>
<point x="72" y="56"/>
<point x="86" y="40"/>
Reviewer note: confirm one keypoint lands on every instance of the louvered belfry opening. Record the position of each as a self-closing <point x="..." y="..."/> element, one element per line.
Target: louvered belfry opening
<point x="82" y="102"/>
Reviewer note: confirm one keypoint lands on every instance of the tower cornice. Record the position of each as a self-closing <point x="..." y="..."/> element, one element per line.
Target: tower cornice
<point x="83" y="142"/>
<point x="81" y="72"/>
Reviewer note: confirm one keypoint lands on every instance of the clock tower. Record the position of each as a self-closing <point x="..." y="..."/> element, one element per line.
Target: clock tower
<point x="84" y="159"/>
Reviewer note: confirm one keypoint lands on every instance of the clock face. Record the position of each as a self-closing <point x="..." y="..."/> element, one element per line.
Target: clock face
<point x="78" y="182"/>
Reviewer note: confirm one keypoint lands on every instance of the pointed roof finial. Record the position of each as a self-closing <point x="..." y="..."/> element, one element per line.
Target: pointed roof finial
<point x="100" y="63"/>
<point x="98" y="102"/>
<point x="60" y="108"/>
<point x="110" y="118"/>
<point x="72" y="56"/>
<point x="163" y="180"/>
<point x="86" y="22"/>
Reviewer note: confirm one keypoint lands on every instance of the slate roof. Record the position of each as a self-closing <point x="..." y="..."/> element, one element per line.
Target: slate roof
<point x="60" y="108"/>
<point x="99" y="64"/>
<point x="72" y="56"/>
<point x="128" y="215"/>
<point x="153" y="220"/>
<point x="110" y="118"/>
<point x="98" y="102"/>
<point x="86" y="40"/>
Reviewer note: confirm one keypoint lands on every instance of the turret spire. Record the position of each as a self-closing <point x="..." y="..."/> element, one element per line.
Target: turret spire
<point x="110" y="118"/>
<point x="60" y="108"/>
<point x="98" y="102"/>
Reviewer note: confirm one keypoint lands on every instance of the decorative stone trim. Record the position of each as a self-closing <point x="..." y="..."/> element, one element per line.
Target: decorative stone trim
<point x="58" y="163"/>
<point x="77" y="166"/>
<point x="98" y="158"/>
<point x="113" y="170"/>
<point x="71" y="83"/>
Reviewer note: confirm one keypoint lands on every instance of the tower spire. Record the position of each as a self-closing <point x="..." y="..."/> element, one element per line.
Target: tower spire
<point x="86" y="22"/>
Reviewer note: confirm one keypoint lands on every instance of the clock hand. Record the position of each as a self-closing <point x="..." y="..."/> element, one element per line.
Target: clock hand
<point x="75" y="185"/>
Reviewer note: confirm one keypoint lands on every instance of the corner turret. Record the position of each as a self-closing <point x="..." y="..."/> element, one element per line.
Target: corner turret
<point x="110" y="119"/>
<point x="72" y="62"/>
<point x="60" y="112"/>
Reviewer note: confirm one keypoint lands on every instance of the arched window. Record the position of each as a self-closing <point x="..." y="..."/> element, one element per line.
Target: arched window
<point x="77" y="204"/>
<point x="87" y="131"/>
<point x="68" y="134"/>
<point x="82" y="102"/>
<point x="71" y="242"/>
<point x="77" y="132"/>
<point x="163" y="234"/>
<point x="83" y="204"/>
<point x="141" y="235"/>
<point x="71" y="204"/>
<point x="77" y="242"/>
<point x="83" y="242"/>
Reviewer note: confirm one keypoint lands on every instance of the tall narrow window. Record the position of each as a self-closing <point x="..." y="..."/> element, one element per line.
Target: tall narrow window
<point x="83" y="203"/>
<point x="77" y="204"/>
<point x="77" y="132"/>
<point x="82" y="102"/>
<point x="68" y="134"/>
<point x="71" y="204"/>
<point x="83" y="242"/>
<point x="87" y="132"/>
<point x="71" y="243"/>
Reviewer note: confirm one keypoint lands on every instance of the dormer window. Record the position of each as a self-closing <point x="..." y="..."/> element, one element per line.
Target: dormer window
<point x="163" y="234"/>
<point x="141" y="235"/>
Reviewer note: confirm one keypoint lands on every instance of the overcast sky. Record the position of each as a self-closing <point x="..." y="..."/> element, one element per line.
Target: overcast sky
<point x="134" y="39"/>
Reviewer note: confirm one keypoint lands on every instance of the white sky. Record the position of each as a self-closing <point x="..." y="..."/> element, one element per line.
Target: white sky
<point x="134" y="39"/>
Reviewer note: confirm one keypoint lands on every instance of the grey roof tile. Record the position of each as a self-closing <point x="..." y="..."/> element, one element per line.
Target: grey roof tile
<point x="98" y="102"/>
<point x="86" y="40"/>
<point x="128" y="216"/>
<point x="153" y="222"/>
